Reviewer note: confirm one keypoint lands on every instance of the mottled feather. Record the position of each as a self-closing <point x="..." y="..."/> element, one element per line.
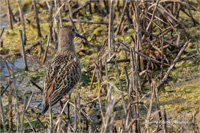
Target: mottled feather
<point x="64" y="72"/>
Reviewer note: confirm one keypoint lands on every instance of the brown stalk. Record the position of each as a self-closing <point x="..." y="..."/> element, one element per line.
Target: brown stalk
<point x="24" y="111"/>
<point x="29" y="101"/>
<point x="150" y="107"/>
<point x="38" y="87"/>
<point x="75" y="115"/>
<point x="50" y="117"/>
<point x="172" y="65"/>
<point x="110" y="28"/>
<point x="9" y="14"/>
<point x="56" y="17"/>
<point x="80" y="7"/>
<point x="161" y="52"/>
<point x="60" y="13"/>
<point x="4" y="90"/>
<point x="154" y="11"/>
<point x="59" y="119"/>
<point x="2" y="115"/>
<point x="37" y="19"/>
<point x="93" y="75"/>
<point x="134" y="85"/>
<point x="2" y="32"/>
<point x="79" y="23"/>
<point x="30" y="123"/>
<point x="34" y="45"/>
<point x="107" y="78"/>
<point x="165" y="122"/>
<point x="16" y="105"/>
<point x="46" y="50"/>
<point x="79" y="112"/>
<point x="10" y="98"/>
<point x="121" y="88"/>
<point x="157" y="107"/>
<point x="22" y="22"/>
<point x="23" y="51"/>
<point x="10" y="105"/>
<point x="121" y="18"/>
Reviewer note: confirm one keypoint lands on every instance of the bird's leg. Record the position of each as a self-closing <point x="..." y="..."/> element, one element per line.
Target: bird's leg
<point x="68" y="105"/>
<point x="61" y="104"/>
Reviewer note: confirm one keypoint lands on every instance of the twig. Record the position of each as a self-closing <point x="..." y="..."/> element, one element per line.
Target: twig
<point x="165" y="121"/>
<point x="79" y="112"/>
<point x="24" y="111"/>
<point x="2" y="115"/>
<point x="56" y="17"/>
<point x="60" y="14"/>
<point x="107" y="79"/>
<point x="110" y="27"/>
<point x="34" y="45"/>
<point x="23" y="51"/>
<point x="22" y="22"/>
<point x="171" y="44"/>
<point x="121" y="18"/>
<point x="37" y="86"/>
<point x="79" y="23"/>
<point x="135" y="85"/>
<point x="50" y="116"/>
<point x="57" y="122"/>
<point x="51" y="9"/>
<point x="45" y="53"/>
<point x="16" y="105"/>
<point x="151" y="59"/>
<point x="154" y="11"/>
<point x="30" y="123"/>
<point x="75" y="115"/>
<point x="9" y="14"/>
<point x="93" y="75"/>
<point x="4" y="90"/>
<point x="157" y="106"/>
<point x="37" y="19"/>
<point x="29" y="101"/>
<point x="10" y="104"/>
<point x="80" y="7"/>
<point x="2" y="32"/>
<point x="121" y="88"/>
<point x="150" y="107"/>
<point x="172" y="65"/>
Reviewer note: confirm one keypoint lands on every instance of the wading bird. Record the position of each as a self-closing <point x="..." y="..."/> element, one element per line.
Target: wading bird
<point x="65" y="70"/>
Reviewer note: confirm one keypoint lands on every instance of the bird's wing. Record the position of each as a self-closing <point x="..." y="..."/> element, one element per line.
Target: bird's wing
<point x="63" y="81"/>
<point x="54" y="68"/>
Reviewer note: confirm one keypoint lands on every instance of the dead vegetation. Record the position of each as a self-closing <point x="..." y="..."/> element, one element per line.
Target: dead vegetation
<point x="128" y="55"/>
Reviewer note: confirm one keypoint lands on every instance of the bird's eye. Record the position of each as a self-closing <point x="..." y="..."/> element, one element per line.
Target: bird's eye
<point x="73" y="29"/>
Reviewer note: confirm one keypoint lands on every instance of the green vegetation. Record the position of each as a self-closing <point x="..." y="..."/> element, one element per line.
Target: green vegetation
<point x="180" y="96"/>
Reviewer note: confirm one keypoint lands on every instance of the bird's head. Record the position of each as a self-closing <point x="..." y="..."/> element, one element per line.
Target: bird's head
<point x="69" y="32"/>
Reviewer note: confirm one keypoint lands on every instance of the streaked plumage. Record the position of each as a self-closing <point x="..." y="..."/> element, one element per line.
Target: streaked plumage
<point x="65" y="70"/>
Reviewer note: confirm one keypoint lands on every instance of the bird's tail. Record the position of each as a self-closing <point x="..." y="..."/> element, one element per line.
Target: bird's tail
<point x="46" y="107"/>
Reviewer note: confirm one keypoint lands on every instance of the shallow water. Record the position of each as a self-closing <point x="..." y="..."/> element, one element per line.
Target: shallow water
<point x="19" y="63"/>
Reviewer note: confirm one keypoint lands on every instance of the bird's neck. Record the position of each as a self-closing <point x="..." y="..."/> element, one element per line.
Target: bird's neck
<point x="66" y="46"/>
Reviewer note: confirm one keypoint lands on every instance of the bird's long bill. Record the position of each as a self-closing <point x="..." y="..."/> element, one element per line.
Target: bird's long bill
<point x="78" y="35"/>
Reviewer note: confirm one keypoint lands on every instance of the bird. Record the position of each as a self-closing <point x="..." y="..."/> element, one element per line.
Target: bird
<point x="64" y="72"/>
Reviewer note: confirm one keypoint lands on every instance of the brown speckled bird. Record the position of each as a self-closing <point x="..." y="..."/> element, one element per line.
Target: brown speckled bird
<point x="65" y="70"/>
